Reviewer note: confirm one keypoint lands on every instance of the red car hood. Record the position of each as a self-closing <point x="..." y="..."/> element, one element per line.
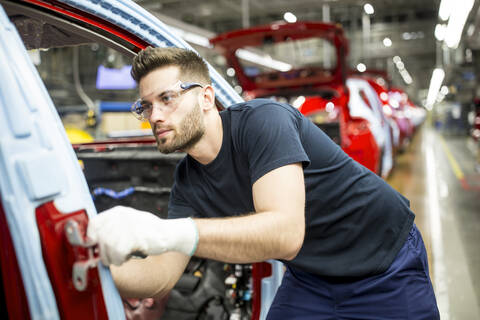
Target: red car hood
<point x="228" y="43"/>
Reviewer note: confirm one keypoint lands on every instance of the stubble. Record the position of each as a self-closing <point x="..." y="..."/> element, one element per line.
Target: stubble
<point x="189" y="132"/>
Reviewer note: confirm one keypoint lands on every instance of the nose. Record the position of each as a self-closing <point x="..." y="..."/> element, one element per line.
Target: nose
<point x="157" y="114"/>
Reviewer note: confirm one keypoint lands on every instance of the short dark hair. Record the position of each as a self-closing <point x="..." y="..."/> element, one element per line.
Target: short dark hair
<point x="192" y="66"/>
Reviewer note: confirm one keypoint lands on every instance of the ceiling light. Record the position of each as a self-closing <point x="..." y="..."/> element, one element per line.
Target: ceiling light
<point x="368" y="8"/>
<point x="290" y="17"/>
<point x="445" y="9"/>
<point x="241" y="53"/>
<point x="406" y="76"/>
<point x="440" y="97"/>
<point x="444" y="90"/>
<point x="435" y="83"/>
<point x="413" y="35"/>
<point x="387" y="42"/>
<point x="440" y="31"/>
<point x="361" y="67"/>
<point x="266" y="61"/>
<point x="381" y="81"/>
<point x="238" y="89"/>
<point x="406" y="36"/>
<point x="230" y="72"/>
<point x="192" y="37"/>
<point x="456" y="22"/>
<point x="471" y="30"/>
<point x="299" y="101"/>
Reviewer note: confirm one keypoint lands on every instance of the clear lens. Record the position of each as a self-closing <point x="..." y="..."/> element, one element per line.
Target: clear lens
<point x="138" y="110"/>
<point x="167" y="101"/>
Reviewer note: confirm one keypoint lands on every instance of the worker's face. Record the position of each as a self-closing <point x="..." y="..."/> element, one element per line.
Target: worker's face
<point x="176" y="116"/>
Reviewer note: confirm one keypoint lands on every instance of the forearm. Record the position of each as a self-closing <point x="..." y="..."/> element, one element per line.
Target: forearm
<point x="251" y="238"/>
<point x="153" y="276"/>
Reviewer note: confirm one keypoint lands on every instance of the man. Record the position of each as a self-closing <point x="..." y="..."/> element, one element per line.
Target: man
<point x="260" y="181"/>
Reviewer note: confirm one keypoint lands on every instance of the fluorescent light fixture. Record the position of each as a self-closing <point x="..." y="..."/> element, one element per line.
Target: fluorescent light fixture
<point x="440" y="30"/>
<point x="445" y="9"/>
<point x="387" y="42"/>
<point x="440" y="97"/>
<point x="413" y="35"/>
<point x="471" y="30"/>
<point x="406" y="76"/>
<point x="266" y="61"/>
<point x="456" y="22"/>
<point x="192" y="37"/>
<point x="368" y="8"/>
<point x="444" y="90"/>
<point x="290" y="17"/>
<point x="298" y="102"/>
<point x="361" y="67"/>
<point x="435" y="83"/>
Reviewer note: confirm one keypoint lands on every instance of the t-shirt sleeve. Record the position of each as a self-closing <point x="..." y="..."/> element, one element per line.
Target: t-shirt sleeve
<point x="270" y="137"/>
<point x="178" y="207"/>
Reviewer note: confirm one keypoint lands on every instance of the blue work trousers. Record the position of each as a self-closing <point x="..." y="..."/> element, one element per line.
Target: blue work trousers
<point x="404" y="291"/>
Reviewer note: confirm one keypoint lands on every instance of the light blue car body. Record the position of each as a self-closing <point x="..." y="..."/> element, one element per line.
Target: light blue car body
<point x="38" y="164"/>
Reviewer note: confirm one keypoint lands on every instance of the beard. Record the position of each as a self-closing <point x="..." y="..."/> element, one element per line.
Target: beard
<point x="190" y="131"/>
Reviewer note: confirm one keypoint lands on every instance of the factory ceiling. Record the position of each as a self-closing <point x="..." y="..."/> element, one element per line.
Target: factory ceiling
<point x="408" y="24"/>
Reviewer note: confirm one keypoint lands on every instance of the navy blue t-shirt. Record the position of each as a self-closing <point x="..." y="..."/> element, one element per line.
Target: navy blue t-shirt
<point x="355" y="222"/>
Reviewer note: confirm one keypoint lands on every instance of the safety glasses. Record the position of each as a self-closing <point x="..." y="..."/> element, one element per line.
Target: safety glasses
<point x="167" y="100"/>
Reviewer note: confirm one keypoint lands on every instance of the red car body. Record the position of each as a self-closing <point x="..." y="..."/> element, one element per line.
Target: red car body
<point x="400" y="104"/>
<point x="388" y="111"/>
<point x="396" y="103"/>
<point x="324" y="91"/>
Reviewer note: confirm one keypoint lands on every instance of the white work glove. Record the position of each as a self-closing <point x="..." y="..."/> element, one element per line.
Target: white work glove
<point x="123" y="232"/>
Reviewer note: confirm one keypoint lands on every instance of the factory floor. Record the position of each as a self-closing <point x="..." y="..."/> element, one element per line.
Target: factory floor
<point x="440" y="174"/>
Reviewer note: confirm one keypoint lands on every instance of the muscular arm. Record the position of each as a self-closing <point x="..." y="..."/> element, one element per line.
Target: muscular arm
<point x="153" y="276"/>
<point x="275" y="231"/>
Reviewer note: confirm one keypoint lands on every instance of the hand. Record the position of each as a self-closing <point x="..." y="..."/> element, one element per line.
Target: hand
<point x="122" y="232"/>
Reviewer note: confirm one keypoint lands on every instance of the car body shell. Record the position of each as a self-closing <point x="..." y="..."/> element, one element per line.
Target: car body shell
<point x="319" y="87"/>
<point x="44" y="194"/>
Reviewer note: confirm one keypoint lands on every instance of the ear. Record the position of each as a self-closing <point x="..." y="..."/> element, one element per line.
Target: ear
<point x="208" y="98"/>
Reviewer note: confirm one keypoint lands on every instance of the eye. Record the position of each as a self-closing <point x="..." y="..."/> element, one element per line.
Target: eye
<point x="168" y="97"/>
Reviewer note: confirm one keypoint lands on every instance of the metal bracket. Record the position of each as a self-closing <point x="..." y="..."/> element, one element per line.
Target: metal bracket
<point x="80" y="268"/>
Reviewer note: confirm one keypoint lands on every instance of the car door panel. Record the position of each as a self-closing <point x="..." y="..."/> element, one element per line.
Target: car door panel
<point x="37" y="166"/>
